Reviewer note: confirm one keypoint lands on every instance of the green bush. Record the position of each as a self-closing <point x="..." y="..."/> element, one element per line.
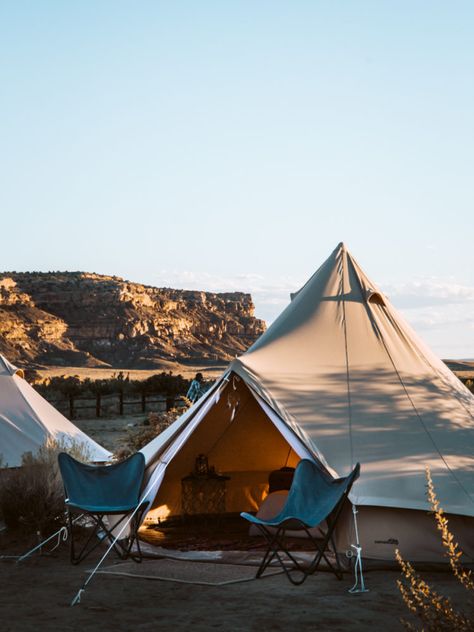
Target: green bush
<point x="32" y="496"/>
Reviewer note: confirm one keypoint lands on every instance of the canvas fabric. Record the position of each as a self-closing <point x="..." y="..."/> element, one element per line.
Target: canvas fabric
<point x="353" y="380"/>
<point x="27" y="420"/>
<point x="341" y="378"/>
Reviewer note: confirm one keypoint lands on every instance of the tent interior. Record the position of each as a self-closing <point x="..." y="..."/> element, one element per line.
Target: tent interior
<point x="245" y="448"/>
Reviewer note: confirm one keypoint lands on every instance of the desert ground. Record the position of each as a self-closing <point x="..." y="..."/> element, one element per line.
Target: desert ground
<point x="36" y="594"/>
<point x="111" y="432"/>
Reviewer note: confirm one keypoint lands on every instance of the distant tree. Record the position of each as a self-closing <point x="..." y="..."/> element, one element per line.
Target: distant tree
<point x="98" y="388"/>
<point x="120" y="384"/>
<point x="70" y="387"/>
<point x="169" y="385"/>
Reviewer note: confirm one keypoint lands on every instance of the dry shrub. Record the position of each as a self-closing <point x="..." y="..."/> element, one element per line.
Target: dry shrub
<point x="154" y="424"/>
<point x="32" y="496"/>
<point x="436" y="612"/>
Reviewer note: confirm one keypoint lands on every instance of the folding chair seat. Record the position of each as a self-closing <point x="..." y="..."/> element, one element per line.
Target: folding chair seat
<point x="315" y="498"/>
<point x="109" y="495"/>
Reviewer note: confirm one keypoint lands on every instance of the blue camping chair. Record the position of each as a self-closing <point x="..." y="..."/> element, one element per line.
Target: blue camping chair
<point x="98" y="491"/>
<point x="314" y="497"/>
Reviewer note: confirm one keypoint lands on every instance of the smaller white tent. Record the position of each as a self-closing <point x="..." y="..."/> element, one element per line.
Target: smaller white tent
<point x="27" y="420"/>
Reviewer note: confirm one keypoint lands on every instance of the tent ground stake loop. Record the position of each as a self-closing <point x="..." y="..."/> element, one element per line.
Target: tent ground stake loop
<point x="77" y="598"/>
<point x="359" y="584"/>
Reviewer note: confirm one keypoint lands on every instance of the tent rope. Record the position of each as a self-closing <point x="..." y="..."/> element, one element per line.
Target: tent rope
<point x="77" y="598"/>
<point x="359" y="585"/>
<point x="348" y="380"/>
<point x="61" y="534"/>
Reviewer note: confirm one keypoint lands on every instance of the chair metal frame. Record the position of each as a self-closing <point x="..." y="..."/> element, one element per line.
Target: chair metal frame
<point x="277" y="547"/>
<point x="102" y="532"/>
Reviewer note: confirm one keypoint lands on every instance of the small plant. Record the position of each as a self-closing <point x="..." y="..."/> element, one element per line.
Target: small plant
<point x="32" y="496"/>
<point x="154" y="424"/>
<point x="435" y="611"/>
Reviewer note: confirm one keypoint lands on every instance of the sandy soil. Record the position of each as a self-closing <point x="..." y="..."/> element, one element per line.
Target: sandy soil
<point x="111" y="432"/>
<point x="35" y="595"/>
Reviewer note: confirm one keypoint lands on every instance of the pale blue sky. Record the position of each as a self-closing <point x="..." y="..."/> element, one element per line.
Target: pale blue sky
<point x="231" y="145"/>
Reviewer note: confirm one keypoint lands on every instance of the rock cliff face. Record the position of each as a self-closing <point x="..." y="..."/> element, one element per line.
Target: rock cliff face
<point x="82" y="319"/>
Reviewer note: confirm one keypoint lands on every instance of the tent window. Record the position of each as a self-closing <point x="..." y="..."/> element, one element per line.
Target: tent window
<point x="375" y="298"/>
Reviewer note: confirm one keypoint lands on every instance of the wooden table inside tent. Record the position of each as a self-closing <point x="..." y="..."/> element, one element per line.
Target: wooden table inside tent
<point x="203" y="494"/>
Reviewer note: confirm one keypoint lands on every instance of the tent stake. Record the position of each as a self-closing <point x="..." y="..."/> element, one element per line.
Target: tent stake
<point x="359" y="585"/>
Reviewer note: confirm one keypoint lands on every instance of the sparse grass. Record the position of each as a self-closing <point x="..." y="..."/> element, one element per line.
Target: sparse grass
<point x="32" y="496"/>
<point x="435" y="612"/>
<point x="153" y="426"/>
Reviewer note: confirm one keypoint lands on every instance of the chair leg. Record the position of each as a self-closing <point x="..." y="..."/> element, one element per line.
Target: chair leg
<point x="126" y="549"/>
<point x="276" y="546"/>
<point x="322" y="549"/>
<point x="76" y="558"/>
<point x="122" y="549"/>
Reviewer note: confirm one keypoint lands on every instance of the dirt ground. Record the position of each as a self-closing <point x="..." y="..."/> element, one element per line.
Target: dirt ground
<point x="111" y="432"/>
<point x="36" y="595"/>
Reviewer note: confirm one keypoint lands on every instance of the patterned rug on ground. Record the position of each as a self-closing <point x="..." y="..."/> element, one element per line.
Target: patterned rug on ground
<point x="186" y="572"/>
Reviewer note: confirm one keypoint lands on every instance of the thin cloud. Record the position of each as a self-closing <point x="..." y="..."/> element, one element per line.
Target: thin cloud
<point x="431" y="291"/>
<point x="269" y="297"/>
<point x="440" y="309"/>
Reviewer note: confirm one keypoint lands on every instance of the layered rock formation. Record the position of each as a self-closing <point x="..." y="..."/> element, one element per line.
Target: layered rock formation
<point x="82" y="319"/>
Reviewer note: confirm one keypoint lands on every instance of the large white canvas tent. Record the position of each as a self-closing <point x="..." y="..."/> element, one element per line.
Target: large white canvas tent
<point x="339" y="377"/>
<point x="27" y="420"/>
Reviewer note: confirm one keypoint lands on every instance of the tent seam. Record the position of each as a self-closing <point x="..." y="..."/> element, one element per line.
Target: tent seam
<point x="349" y="400"/>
